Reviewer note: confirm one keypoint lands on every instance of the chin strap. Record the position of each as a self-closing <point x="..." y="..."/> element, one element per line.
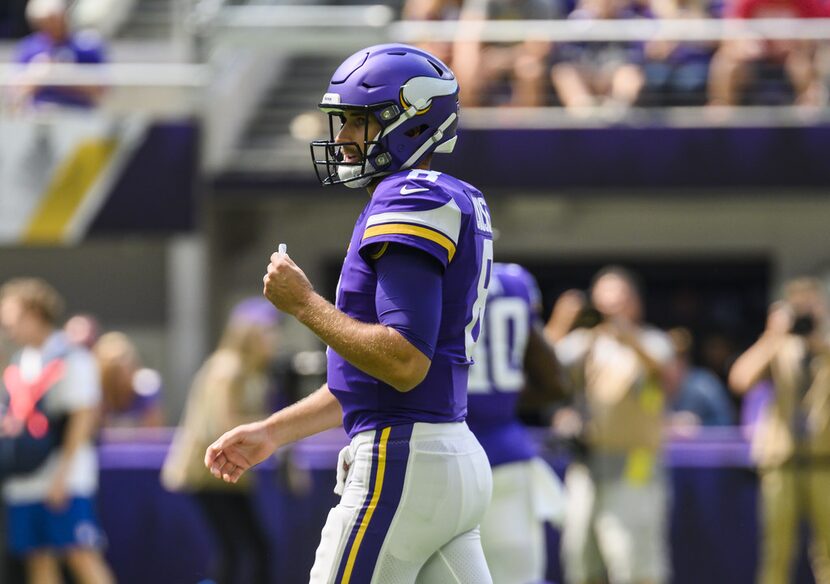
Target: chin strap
<point x="350" y="175"/>
<point x="359" y="183"/>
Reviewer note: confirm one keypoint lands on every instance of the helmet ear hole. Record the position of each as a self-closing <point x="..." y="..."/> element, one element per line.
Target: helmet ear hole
<point x="416" y="131"/>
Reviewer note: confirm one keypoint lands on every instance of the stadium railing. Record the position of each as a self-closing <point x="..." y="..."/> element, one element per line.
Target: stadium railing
<point x="149" y="88"/>
<point x="287" y="31"/>
<point x="639" y="29"/>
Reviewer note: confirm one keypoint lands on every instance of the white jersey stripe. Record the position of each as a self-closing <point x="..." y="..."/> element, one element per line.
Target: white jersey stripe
<point x="446" y="219"/>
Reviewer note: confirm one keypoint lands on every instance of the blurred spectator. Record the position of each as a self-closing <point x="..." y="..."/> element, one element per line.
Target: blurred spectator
<point x="739" y="62"/>
<point x="132" y="393"/>
<point x="54" y="42"/>
<point x="434" y="10"/>
<point x="617" y="492"/>
<point x="754" y="405"/>
<point x="718" y="352"/>
<point x="600" y="73"/>
<point x="701" y="393"/>
<point x="480" y="66"/>
<point x="791" y="443"/>
<point x="510" y="354"/>
<point x="677" y="72"/>
<point x="51" y="509"/>
<point x="230" y="389"/>
<point x="82" y="330"/>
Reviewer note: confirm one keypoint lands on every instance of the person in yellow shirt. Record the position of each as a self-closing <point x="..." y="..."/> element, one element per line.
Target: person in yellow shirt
<point x="617" y="492"/>
<point x="791" y="443"/>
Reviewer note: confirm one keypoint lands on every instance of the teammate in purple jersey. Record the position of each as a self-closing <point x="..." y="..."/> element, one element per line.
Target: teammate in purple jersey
<point x="512" y="353"/>
<point x="415" y="482"/>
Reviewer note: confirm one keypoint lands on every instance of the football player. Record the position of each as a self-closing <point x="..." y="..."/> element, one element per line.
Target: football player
<point x="511" y="352"/>
<point x="415" y="482"/>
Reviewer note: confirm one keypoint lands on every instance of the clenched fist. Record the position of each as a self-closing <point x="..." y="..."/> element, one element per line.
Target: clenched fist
<point x="286" y="285"/>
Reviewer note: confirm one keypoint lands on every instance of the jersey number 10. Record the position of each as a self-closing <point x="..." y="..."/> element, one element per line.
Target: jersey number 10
<point x="499" y="355"/>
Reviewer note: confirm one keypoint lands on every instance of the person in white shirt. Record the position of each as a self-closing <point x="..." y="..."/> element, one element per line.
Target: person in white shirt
<point x="618" y="494"/>
<point x="52" y="386"/>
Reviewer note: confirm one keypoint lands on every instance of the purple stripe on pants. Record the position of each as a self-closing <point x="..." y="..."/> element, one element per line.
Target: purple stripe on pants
<point x="394" y="474"/>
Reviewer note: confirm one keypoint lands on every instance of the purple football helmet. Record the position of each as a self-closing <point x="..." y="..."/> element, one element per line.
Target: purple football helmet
<point x="411" y="93"/>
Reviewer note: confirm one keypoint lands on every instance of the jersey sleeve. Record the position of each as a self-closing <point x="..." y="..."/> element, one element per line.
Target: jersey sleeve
<point x="417" y="214"/>
<point x="408" y="296"/>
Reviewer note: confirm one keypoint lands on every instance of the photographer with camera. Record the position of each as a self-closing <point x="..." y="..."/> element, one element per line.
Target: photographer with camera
<point x="617" y="494"/>
<point x="791" y="443"/>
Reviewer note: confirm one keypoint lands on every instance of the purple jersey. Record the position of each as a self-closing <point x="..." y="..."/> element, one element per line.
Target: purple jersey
<point x="82" y="48"/>
<point x="513" y="307"/>
<point x="449" y="220"/>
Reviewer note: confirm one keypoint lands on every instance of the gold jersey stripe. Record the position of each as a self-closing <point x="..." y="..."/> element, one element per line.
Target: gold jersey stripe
<point x="417" y="230"/>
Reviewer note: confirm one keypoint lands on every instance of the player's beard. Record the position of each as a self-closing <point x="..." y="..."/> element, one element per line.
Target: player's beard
<point x="348" y="173"/>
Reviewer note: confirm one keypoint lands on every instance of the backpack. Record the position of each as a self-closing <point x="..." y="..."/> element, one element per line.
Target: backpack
<point x="35" y="433"/>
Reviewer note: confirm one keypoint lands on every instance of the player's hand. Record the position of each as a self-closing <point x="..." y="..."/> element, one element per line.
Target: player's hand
<point x="286" y="285"/>
<point x="238" y="450"/>
<point x="567" y="309"/>
<point x="779" y="319"/>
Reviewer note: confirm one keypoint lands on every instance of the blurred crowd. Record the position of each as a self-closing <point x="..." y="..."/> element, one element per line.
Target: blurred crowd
<point x="628" y="387"/>
<point x="629" y="384"/>
<point x="63" y="381"/>
<point x="622" y="74"/>
<point x="634" y="384"/>
<point x="576" y="75"/>
<point x="53" y="40"/>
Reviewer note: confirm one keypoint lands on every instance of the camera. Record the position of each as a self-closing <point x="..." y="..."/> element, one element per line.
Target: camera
<point x="803" y="324"/>
<point x="588" y="317"/>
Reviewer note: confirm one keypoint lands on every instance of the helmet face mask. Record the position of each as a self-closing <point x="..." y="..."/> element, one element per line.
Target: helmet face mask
<point x="329" y="155"/>
<point x="413" y="97"/>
